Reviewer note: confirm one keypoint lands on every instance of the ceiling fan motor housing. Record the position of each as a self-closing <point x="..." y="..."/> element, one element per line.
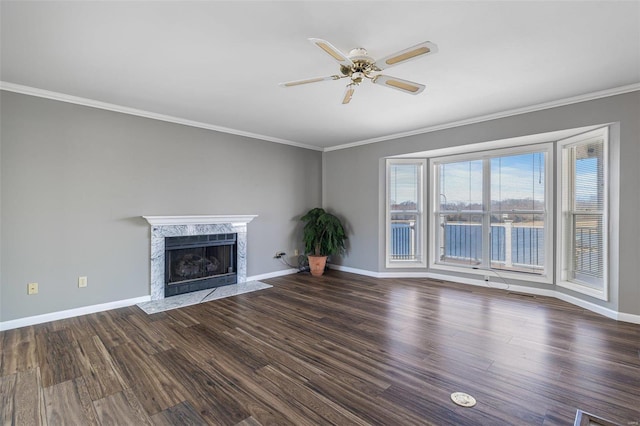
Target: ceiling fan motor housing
<point x="362" y="65"/>
<point x="357" y="53"/>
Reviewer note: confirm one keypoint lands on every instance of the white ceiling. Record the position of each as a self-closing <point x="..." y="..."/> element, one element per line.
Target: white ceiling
<point x="218" y="63"/>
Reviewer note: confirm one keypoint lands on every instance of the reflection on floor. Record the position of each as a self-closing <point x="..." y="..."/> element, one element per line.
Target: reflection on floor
<point x="201" y="296"/>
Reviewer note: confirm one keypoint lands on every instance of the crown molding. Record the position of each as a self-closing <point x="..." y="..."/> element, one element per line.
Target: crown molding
<point x="47" y="94"/>
<point x="538" y="107"/>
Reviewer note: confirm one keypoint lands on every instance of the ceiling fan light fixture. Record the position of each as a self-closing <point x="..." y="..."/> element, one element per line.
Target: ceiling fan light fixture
<point x="357" y="77"/>
<point x="358" y="66"/>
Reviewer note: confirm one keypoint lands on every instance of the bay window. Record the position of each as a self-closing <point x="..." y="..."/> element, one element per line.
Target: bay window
<point x="490" y="211"/>
<point x="500" y="211"/>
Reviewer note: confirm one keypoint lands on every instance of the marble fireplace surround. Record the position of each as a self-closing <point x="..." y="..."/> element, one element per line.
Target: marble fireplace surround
<point x="179" y="226"/>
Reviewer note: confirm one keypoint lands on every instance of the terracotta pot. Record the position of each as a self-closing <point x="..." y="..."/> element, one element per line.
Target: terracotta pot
<point x="317" y="264"/>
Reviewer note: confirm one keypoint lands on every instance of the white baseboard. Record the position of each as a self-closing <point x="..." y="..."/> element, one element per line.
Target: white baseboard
<point x="272" y="275"/>
<point x="53" y="316"/>
<point x="635" y="319"/>
<point x="356" y="271"/>
<point x="609" y="313"/>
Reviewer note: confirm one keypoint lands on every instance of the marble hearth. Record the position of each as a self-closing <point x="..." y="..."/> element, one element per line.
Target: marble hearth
<point x="177" y="226"/>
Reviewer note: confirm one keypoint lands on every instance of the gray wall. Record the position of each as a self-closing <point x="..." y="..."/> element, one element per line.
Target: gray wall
<point x="353" y="181"/>
<point x="75" y="181"/>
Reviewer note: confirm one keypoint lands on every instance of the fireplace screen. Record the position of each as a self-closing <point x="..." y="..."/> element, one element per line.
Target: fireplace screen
<point x="199" y="262"/>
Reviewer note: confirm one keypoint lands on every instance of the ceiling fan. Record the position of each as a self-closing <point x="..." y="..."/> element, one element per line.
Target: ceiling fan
<point x="358" y="66"/>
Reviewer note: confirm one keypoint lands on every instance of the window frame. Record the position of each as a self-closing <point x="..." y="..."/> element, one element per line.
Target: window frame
<point x="485" y="268"/>
<point x="421" y="221"/>
<point x="564" y="240"/>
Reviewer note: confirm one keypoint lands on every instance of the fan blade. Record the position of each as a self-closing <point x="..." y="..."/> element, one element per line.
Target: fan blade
<point x="309" y="80"/>
<point x="405" y="55"/>
<point x="399" y="84"/>
<point x="348" y="94"/>
<point x="333" y="51"/>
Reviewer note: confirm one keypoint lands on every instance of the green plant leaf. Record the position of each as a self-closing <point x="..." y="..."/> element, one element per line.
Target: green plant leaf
<point x="323" y="233"/>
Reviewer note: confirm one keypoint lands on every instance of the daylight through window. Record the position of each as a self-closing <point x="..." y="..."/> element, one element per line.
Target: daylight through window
<point x="491" y="210"/>
<point x="583" y="220"/>
<point x="405" y="234"/>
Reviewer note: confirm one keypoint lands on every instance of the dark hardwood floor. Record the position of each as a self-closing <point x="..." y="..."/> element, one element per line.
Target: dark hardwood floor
<point x="341" y="349"/>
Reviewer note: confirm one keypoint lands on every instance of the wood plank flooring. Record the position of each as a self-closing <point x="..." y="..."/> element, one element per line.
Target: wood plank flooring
<point x="341" y="349"/>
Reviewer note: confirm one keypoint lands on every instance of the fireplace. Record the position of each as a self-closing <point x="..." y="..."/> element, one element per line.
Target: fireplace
<point x="212" y="232"/>
<point x="199" y="262"/>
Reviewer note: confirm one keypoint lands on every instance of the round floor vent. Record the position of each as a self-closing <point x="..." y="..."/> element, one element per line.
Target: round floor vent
<point x="463" y="399"/>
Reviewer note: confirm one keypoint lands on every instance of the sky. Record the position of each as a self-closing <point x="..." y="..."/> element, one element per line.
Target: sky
<point x="512" y="177"/>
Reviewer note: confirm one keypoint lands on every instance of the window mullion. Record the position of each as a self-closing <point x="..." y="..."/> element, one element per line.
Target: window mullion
<point x="486" y="213"/>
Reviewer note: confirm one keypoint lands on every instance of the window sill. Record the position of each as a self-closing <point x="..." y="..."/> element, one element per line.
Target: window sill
<point x="500" y="274"/>
<point x="583" y="289"/>
<point x="398" y="264"/>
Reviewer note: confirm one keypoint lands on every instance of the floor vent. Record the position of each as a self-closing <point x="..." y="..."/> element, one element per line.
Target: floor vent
<point x="583" y="418"/>
<point x="513" y="293"/>
<point x="463" y="399"/>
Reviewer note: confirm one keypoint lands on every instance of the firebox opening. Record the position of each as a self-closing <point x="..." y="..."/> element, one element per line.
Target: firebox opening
<point x="199" y="262"/>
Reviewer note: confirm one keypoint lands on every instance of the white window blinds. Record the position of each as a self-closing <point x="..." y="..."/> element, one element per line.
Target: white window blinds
<point x="584" y="214"/>
<point x="404" y="212"/>
<point x="587" y="212"/>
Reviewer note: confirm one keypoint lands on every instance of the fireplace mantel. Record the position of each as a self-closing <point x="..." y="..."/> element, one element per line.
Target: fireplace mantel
<point x="198" y="219"/>
<point x="174" y="226"/>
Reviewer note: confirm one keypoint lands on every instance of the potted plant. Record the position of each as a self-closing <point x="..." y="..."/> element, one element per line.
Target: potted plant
<point x="323" y="236"/>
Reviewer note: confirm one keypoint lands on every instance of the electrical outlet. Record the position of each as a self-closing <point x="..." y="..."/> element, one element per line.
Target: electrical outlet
<point x="296" y="252"/>
<point x="82" y="281"/>
<point x="32" y="288"/>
